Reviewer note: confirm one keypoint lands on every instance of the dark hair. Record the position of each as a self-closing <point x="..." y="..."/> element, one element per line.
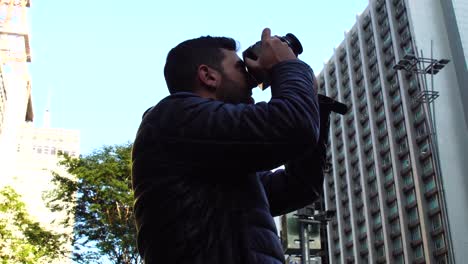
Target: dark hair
<point x="182" y="61"/>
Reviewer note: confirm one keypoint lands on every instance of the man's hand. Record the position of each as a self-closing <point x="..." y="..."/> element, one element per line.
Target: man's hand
<point x="273" y="51"/>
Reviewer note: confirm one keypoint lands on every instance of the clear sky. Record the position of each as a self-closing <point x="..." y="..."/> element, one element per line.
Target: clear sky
<point x="102" y="62"/>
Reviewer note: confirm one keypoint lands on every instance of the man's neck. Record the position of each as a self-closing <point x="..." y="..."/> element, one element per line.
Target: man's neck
<point x="205" y="94"/>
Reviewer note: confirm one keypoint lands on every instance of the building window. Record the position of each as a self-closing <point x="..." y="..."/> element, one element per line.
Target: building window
<point x="399" y="259"/>
<point x="349" y="237"/>
<point x="346" y="210"/>
<point x="427" y="166"/>
<point x="379" y="96"/>
<point x="429" y="185"/>
<point x="408" y="179"/>
<point x="381" y="116"/>
<point x="410" y="197"/>
<point x="377" y="219"/>
<point x="379" y="235"/>
<point x="386" y="160"/>
<point x="436" y="222"/>
<point x="391" y="191"/>
<point x="405" y="163"/>
<point x="402" y="147"/>
<point x="397" y="243"/>
<point x="418" y="252"/>
<point x="380" y="251"/>
<point x="433" y="202"/>
<point x="413" y="84"/>
<point x="396" y="97"/>
<point x="439" y="242"/>
<point x="362" y="229"/>
<point x="400" y="130"/>
<point x="373" y="187"/>
<point x="413" y="215"/>
<point x="424" y="147"/>
<point x="388" y="39"/>
<point x="393" y="208"/>
<point x="395" y="227"/>
<point x="365" y="128"/>
<point x="337" y="121"/>
<point x="399" y="112"/>
<point x="385" y="143"/>
<point x="389" y="175"/>
<point x="364" y="245"/>
<point x="415" y="234"/>
<point x="368" y="144"/>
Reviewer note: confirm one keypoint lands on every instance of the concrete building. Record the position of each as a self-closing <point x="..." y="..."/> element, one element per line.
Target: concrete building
<point x="399" y="157"/>
<point x="15" y="85"/>
<point x="36" y="158"/>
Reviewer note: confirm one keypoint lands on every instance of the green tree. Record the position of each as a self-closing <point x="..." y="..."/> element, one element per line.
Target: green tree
<point x="98" y="196"/>
<point x="23" y="240"/>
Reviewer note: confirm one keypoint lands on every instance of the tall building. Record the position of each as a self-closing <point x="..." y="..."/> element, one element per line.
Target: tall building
<point x="399" y="156"/>
<point x="15" y="85"/>
<point x="37" y="157"/>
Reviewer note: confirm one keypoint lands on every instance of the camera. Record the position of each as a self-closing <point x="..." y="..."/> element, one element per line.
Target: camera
<point x="253" y="52"/>
<point x="261" y="79"/>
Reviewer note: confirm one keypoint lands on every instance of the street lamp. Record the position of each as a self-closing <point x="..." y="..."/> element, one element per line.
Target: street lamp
<point x="423" y="67"/>
<point x="420" y="65"/>
<point x="310" y="216"/>
<point x="411" y="63"/>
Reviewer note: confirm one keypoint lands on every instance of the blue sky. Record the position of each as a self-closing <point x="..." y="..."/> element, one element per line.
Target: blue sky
<point x="102" y="62"/>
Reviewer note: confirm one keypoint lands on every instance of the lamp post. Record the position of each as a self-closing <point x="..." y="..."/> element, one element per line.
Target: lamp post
<point x="308" y="216"/>
<point x="422" y="66"/>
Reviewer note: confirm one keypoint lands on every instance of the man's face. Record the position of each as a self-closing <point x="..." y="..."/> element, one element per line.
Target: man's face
<point x="234" y="87"/>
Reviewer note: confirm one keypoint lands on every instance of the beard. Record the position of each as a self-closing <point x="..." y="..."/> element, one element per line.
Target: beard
<point x="234" y="92"/>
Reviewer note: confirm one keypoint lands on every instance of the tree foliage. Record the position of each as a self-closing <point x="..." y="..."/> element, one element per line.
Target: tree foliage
<point x="98" y="196"/>
<point x="23" y="240"/>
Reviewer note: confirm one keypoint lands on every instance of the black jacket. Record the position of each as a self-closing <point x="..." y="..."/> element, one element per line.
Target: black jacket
<point x="203" y="189"/>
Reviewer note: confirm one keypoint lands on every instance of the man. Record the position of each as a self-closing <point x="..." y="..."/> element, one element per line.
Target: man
<point x="202" y="156"/>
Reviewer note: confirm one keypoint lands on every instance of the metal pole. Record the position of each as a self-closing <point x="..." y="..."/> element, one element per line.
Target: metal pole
<point x="434" y="145"/>
<point x="305" y="243"/>
<point x="438" y="168"/>
<point x="423" y="76"/>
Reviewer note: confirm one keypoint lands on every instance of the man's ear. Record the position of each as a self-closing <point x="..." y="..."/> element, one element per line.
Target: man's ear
<point x="208" y="77"/>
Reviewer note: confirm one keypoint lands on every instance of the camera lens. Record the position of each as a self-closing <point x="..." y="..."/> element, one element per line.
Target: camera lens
<point x="253" y="52"/>
<point x="293" y="43"/>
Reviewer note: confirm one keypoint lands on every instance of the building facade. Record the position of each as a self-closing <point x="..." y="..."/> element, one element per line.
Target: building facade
<point x="399" y="156"/>
<point x="36" y="158"/>
<point x="15" y="84"/>
<point x="3" y="99"/>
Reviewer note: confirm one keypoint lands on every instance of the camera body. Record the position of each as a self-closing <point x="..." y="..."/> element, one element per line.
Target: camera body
<point x="253" y="52"/>
<point x="326" y="104"/>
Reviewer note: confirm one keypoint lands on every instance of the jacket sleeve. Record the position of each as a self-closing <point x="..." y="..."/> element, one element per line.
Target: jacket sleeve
<point x="208" y="133"/>
<point x="301" y="182"/>
<point x="296" y="186"/>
